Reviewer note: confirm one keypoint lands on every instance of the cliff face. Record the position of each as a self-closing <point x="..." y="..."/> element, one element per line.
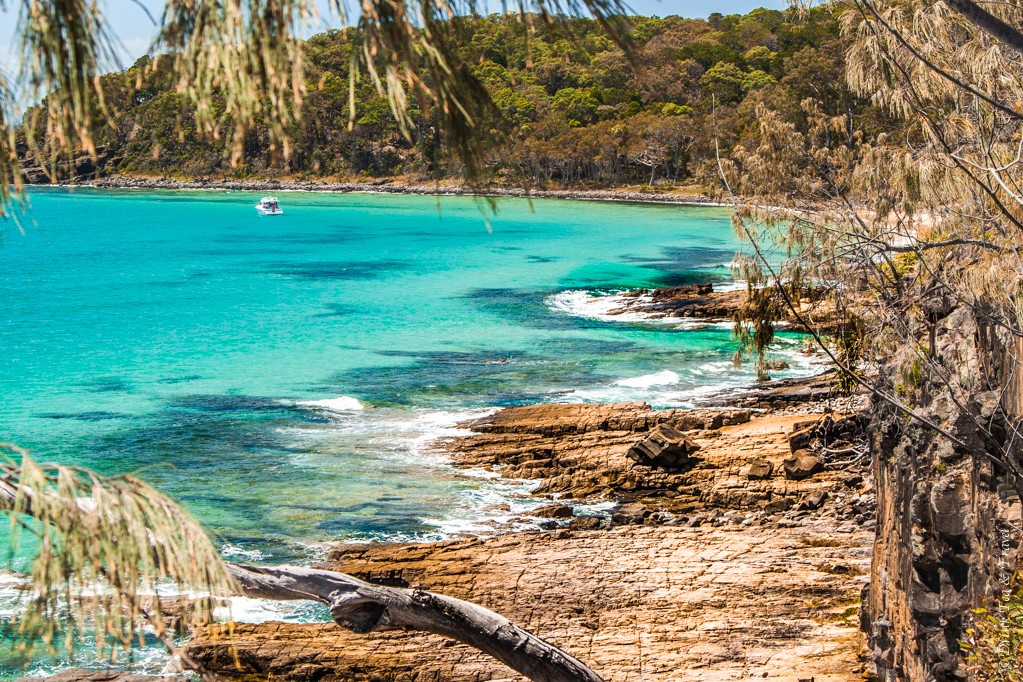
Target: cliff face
<point x="948" y="518"/>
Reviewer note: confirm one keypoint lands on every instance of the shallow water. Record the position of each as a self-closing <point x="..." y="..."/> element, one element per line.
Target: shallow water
<point x="282" y="376"/>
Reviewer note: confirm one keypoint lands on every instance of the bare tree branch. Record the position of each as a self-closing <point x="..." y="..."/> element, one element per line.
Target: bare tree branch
<point x="989" y="23"/>
<point x="362" y="607"/>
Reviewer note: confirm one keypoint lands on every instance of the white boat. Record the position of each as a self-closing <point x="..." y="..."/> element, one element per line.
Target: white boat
<point x="269" y="206"/>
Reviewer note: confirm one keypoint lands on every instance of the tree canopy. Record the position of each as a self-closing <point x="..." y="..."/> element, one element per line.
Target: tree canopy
<point x="240" y="63"/>
<point x="567" y="101"/>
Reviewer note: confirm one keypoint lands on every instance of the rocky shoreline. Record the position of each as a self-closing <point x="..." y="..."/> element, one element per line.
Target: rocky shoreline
<point x="394" y="187"/>
<point x="739" y="547"/>
<point x="746" y="557"/>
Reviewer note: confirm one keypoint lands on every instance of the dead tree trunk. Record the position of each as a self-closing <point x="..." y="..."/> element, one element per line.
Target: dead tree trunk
<point x="361" y="607"/>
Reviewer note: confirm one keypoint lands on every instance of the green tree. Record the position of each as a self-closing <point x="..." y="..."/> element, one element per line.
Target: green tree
<point x="725" y="81"/>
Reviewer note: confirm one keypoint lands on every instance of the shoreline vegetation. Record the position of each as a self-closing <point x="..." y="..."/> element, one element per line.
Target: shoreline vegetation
<point x="568" y="108"/>
<point x="628" y="194"/>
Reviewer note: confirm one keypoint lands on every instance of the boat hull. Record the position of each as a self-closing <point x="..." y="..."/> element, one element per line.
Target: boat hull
<point x="269" y="211"/>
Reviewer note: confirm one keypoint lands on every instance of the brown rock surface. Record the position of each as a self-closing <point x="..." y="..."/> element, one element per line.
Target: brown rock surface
<point x="635" y="603"/>
<point x="693" y="301"/>
<point x="681" y="586"/>
<point x="802" y="466"/>
<point x="581" y="451"/>
<point x="665" y="448"/>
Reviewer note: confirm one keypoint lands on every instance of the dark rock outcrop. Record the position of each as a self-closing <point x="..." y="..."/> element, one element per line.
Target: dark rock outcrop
<point x="665" y="448"/>
<point x="803" y="465"/>
<point x="760" y="470"/>
<point x="947" y="518"/>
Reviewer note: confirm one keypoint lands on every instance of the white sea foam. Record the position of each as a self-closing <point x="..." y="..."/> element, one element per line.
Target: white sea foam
<point x="230" y="550"/>
<point x="736" y="285"/>
<point x="342" y="403"/>
<point x="662" y="378"/>
<point x="686" y="386"/>
<point x="604" y="307"/>
<point x="405" y="441"/>
<point x="617" y="307"/>
<point x="247" y="610"/>
<point x="582" y="303"/>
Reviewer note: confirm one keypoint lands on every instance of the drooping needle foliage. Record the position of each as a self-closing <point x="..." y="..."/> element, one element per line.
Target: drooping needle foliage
<point x="101" y="549"/>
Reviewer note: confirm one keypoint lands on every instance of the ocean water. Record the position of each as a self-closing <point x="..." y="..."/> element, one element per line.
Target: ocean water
<point x="283" y="376"/>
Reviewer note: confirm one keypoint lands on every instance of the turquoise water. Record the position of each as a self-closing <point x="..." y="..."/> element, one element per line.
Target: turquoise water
<point x="283" y="376"/>
<point x="181" y="334"/>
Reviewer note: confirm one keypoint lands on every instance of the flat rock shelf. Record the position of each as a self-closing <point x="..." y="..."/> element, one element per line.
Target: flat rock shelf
<point x="706" y="573"/>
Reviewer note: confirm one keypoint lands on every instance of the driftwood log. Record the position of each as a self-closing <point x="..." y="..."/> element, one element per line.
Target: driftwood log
<point x="362" y="607"/>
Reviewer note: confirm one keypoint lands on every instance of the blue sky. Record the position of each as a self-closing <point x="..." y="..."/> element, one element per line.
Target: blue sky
<point x="134" y="30"/>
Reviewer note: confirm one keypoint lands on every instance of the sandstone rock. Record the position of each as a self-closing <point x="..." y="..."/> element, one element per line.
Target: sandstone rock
<point x="585" y="523"/>
<point x="760" y="469"/>
<point x="578" y="451"/>
<point x="781" y="394"/>
<point x="554" y="511"/>
<point x="814" y="500"/>
<point x="778" y="506"/>
<point x="665" y="447"/>
<point x="802" y="466"/>
<point x="599" y="594"/>
<point x="630" y="513"/>
<point x="802" y="439"/>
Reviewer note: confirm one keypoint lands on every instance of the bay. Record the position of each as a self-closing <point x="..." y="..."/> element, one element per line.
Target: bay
<point x="283" y="376"/>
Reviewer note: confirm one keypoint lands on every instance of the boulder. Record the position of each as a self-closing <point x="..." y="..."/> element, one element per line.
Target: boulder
<point x="814" y="500"/>
<point x="585" y="523"/>
<point x="803" y="438"/>
<point x="760" y="470"/>
<point x="778" y="506"/>
<point x="801" y="466"/>
<point x="665" y="448"/>
<point x="630" y="513"/>
<point x="554" y="511"/>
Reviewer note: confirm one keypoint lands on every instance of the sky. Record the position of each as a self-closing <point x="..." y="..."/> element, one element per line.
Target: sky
<point x="134" y="30"/>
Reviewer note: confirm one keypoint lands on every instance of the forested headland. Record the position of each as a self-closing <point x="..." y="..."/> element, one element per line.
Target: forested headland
<point x="570" y="108"/>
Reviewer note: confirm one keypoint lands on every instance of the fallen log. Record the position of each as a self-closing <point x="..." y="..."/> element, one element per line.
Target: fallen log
<point x="362" y="607"/>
